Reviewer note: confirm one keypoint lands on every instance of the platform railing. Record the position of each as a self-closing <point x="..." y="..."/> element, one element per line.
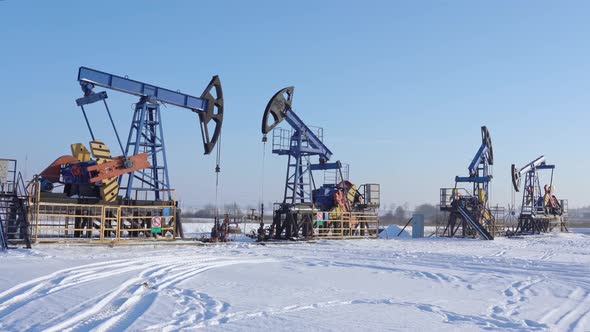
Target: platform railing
<point x="335" y="176"/>
<point x="8" y="176"/>
<point x="448" y="195"/>
<point x="371" y="194"/>
<point x="52" y="222"/>
<point x="281" y="138"/>
<point x="68" y="222"/>
<point x="343" y="225"/>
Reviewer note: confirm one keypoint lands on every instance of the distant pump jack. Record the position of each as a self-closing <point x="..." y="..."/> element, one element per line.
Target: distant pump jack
<point x="469" y="212"/>
<point x="540" y="211"/>
<point x="337" y="208"/>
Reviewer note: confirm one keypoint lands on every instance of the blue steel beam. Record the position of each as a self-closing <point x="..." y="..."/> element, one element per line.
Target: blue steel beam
<point x="483" y="149"/>
<point x="319" y="147"/>
<point x="476" y="179"/>
<point x="325" y="166"/>
<point x="146" y="133"/>
<point x="279" y="107"/>
<point x="479" y="166"/>
<point x="122" y="84"/>
<point x="540" y="161"/>
<point x="528" y="169"/>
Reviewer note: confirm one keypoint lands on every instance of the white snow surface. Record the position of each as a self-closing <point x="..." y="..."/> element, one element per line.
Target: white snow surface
<point x="532" y="283"/>
<point x="395" y="232"/>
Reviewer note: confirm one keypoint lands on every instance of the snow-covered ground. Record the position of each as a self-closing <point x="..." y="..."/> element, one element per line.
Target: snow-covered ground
<point x="524" y="284"/>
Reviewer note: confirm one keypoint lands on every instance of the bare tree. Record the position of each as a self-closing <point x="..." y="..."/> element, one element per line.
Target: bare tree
<point x="400" y="215"/>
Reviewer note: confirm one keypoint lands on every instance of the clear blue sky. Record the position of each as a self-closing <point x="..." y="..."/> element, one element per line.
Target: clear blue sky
<point x="401" y="88"/>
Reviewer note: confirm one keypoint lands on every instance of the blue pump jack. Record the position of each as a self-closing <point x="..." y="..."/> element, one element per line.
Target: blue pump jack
<point x="296" y="216"/>
<point x="147" y="132"/>
<point x="469" y="212"/>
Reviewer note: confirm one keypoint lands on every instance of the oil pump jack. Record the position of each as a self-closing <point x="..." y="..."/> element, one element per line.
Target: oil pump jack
<point x="540" y="209"/>
<point x="92" y="186"/>
<point x="336" y="208"/>
<point x="469" y="212"/>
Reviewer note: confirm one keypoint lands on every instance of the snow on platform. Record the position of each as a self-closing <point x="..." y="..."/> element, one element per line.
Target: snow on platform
<point x="532" y="283"/>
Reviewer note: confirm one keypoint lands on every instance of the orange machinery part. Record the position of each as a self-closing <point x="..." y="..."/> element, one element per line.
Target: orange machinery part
<point x="116" y="167"/>
<point x="52" y="171"/>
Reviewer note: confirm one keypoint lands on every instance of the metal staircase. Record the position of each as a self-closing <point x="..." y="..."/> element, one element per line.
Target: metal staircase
<point x="13" y="207"/>
<point x="479" y="228"/>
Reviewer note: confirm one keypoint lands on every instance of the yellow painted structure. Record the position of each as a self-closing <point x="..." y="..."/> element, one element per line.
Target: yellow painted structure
<point x="67" y="222"/>
<point x="80" y="152"/>
<point x="110" y="187"/>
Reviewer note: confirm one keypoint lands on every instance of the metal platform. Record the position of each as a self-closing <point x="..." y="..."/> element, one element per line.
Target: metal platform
<point x="541" y="222"/>
<point x="304" y="222"/>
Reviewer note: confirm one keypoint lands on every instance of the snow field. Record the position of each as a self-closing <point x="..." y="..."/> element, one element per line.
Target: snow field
<point x="533" y="283"/>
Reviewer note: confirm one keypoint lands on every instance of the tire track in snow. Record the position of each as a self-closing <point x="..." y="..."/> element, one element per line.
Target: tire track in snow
<point x="484" y="322"/>
<point x="101" y="308"/>
<point x="195" y="309"/>
<point x="108" y="310"/>
<point x="500" y="253"/>
<point x="123" y="318"/>
<point x="572" y="313"/>
<point x="515" y="300"/>
<point x="438" y="277"/>
<point x="515" y="296"/>
<point x="26" y="292"/>
<point x="118" y="309"/>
